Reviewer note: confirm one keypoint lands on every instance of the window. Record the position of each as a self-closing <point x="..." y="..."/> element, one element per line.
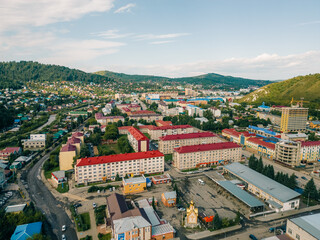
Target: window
<point x="290" y="231"/>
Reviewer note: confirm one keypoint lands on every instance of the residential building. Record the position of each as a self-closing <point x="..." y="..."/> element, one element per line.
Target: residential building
<point x="26" y="231"/>
<point x="278" y="196"/>
<point x="148" y="116"/>
<point x="293" y="119"/>
<point x="288" y="152"/>
<point x="159" y="179"/>
<point x="310" y="151"/>
<point x="138" y="141"/>
<point x="5" y="153"/>
<point x="294" y="136"/>
<point x="105" y="120"/>
<point x="79" y="135"/>
<point x="157" y="132"/>
<point x="134" y="185"/>
<point x="257" y="145"/>
<point x="264" y="132"/>
<point x="161" y="123"/>
<point x="169" y="199"/>
<point x="216" y="112"/>
<point x="187" y="157"/>
<point x="235" y="136"/>
<point x="194" y="110"/>
<point x="123" y="130"/>
<point x="35" y="142"/>
<point x="169" y="142"/>
<point x="75" y="142"/>
<point x="66" y="156"/>
<point x="305" y="227"/>
<point x="95" y="169"/>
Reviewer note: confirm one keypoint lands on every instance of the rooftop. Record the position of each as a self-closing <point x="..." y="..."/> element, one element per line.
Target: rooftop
<point x="74" y="140"/>
<point x="309" y="223"/>
<point x="59" y="174"/>
<point x="242" y="195"/>
<point x="271" y="187"/>
<point x="143" y="112"/>
<point x="259" y="141"/>
<point x="172" y="127"/>
<point x="309" y="143"/>
<point x="170" y="195"/>
<point x="161" y="177"/>
<point x="15" y="208"/>
<point x="187" y="136"/>
<point x="68" y="147"/>
<point x="137" y="134"/>
<point x="134" y="180"/>
<point x="206" y="147"/>
<point x="118" y="158"/>
<point x="129" y="223"/>
<point x="162" y="229"/>
<point x="23" y="232"/>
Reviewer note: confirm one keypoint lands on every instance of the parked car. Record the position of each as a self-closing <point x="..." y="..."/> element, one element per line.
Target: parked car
<point x="94" y="205"/>
<point x="181" y="209"/>
<point x="63" y="228"/>
<point x="253" y="237"/>
<point x="63" y="237"/>
<point x="304" y="178"/>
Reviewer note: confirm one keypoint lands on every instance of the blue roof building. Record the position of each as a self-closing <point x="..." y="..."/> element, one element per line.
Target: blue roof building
<point x="23" y="232"/>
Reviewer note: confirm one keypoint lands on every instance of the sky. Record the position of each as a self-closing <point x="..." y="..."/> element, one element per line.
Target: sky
<point x="258" y="39"/>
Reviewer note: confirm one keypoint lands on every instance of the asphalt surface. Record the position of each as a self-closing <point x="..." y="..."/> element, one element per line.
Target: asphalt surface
<point x="53" y="209"/>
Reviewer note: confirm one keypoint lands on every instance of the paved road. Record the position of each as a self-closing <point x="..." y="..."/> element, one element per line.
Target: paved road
<point x="47" y="203"/>
<point x="50" y="120"/>
<point x="144" y="107"/>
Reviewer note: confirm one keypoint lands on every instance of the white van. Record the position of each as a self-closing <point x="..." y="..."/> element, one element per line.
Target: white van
<point x="201" y="181"/>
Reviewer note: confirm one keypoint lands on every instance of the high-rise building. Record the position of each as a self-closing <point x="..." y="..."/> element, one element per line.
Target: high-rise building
<point x="288" y="152"/>
<point x="293" y="119"/>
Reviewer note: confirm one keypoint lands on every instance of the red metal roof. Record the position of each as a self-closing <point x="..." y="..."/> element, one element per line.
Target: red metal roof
<point x="310" y="143"/>
<point x="206" y="147"/>
<point x="187" y="136"/>
<point x="118" y="158"/>
<point x="124" y="128"/>
<point x="137" y="134"/>
<point x="262" y="143"/>
<point x="143" y="112"/>
<point x="68" y="147"/>
<point x="164" y="123"/>
<point x="77" y="134"/>
<point x="74" y="140"/>
<point x="172" y="127"/>
<point x="233" y="132"/>
<point x="10" y="150"/>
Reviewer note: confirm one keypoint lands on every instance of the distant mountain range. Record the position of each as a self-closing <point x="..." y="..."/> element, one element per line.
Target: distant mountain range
<point x="206" y="79"/>
<point x="306" y="87"/>
<point x="16" y="74"/>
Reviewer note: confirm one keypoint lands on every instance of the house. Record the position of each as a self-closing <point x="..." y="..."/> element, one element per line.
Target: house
<point x="58" y="176"/>
<point x="134" y="185"/>
<point x="169" y="199"/>
<point x="5" y="153"/>
<point x="165" y="178"/>
<point x="23" y="232"/>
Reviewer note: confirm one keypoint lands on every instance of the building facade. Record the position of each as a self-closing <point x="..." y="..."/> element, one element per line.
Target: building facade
<point x="288" y="152"/>
<point x="169" y="199"/>
<point x="157" y="132"/>
<point x="169" y="142"/>
<point x="35" y="143"/>
<point x="138" y="141"/>
<point x="66" y="156"/>
<point x="293" y="119"/>
<point x="305" y="227"/>
<point x="134" y="185"/>
<point x="310" y="151"/>
<point x="95" y="169"/>
<point x="206" y="155"/>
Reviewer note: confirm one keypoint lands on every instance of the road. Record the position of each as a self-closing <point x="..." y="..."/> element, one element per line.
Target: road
<point x="144" y="107"/>
<point x="53" y="209"/>
<point x="50" y="120"/>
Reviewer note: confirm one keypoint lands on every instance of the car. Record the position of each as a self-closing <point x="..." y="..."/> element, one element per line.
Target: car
<point x="63" y="228"/>
<point x="181" y="209"/>
<point x="94" y="205"/>
<point x="63" y="237"/>
<point x="304" y="178"/>
<point x="253" y="237"/>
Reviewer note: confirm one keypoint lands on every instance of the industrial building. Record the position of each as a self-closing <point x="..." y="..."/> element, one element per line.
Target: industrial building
<point x="278" y="196"/>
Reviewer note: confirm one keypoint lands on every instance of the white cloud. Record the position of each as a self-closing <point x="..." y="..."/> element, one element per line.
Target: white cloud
<point x="125" y="8"/>
<point x="111" y="34"/>
<point x="19" y="13"/>
<point x="160" y="36"/>
<point x="162" y="42"/>
<point x="264" y="66"/>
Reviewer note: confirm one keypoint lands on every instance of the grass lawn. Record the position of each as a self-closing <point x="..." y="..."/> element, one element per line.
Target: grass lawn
<point x="85" y="218"/>
<point x="100" y="214"/>
<point x="114" y="147"/>
<point x="104" y="236"/>
<point x="63" y="189"/>
<point x="47" y="174"/>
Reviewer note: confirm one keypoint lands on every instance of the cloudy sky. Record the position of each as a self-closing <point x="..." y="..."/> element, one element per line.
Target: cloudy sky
<point x="260" y="39"/>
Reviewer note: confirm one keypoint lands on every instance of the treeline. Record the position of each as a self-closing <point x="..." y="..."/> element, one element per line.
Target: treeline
<point x="6" y="116"/>
<point x="16" y="74"/>
<point x="268" y="170"/>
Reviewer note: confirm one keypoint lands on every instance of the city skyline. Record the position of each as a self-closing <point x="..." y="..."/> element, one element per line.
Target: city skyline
<point x="268" y="40"/>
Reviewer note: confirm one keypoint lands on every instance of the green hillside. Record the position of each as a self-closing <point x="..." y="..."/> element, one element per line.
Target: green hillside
<point x="16" y="74"/>
<point x="307" y="87"/>
<point x="207" y="79"/>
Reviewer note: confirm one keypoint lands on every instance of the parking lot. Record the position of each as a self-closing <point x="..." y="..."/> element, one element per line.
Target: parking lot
<point x="8" y="198"/>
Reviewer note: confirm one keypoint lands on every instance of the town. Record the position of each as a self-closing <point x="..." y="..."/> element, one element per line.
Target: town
<point x="183" y="163"/>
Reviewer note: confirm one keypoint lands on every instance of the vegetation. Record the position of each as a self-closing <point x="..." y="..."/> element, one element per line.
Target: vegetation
<point x="100" y="214"/>
<point x="63" y="189"/>
<point x="310" y="193"/>
<point x="268" y="170"/>
<point x="82" y="221"/>
<point x="96" y="188"/>
<point x="9" y="221"/>
<point x="6" y="117"/>
<point x="111" y="132"/>
<point x="281" y="93"/>
<point x="16" y="74"/>
<point x="52" y="164"/>
<point x="86" y="238"/>
<point x="124" y="145"/>
<point x="104" y="236"/>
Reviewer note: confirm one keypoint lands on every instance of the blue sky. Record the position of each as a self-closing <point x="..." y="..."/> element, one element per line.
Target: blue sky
<point x="260" y="39"/>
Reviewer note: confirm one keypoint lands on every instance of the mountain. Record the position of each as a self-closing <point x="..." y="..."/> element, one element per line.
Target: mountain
<point x="281" y="93"/>
<point x="16" y="74"/>
<point x="206" y="79"/>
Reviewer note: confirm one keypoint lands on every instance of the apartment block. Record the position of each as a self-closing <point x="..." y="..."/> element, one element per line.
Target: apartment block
<point x="310" y="151"/>
<point x="94" y="169"/>
<point x="66" y="155"/>
<point x="266" y="149"/>
<point x="157" y="132"/>
<point x="169" y="142"/>
<point x="35" y="142"/>
<point x="148" y="116"/>
<point x="205" y="155"/>
<point x="138" y="141"/>
<point x="104" y="120"/>
<point x="293" y="119"/>
<point x="288" y="152"/>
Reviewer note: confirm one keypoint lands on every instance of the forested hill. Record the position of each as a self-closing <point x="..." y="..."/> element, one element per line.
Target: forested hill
<point x="16" y="74"/>
<point x="281" y="93"/>
<point x="206" y="79"/>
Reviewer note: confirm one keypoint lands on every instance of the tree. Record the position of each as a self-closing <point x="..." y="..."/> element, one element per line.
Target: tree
<point x="260" y="165"/>
<point x="217" y="224"/>
<point x="118" y="178"/>
<point x="38" y="236"/>
<point x="310" y="190"/>
<point x="84" y="151"/>
<point x="292" y="183"/>
<point x="153" y="203"/>
<point x="225" y="222"/>
<point x="111" y="132"/>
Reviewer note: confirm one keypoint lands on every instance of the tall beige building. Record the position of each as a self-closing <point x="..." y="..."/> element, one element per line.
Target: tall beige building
<point x="66" y="155"/>
<point x="205" y="155"/>
<point x="288" y="152"/>
<point x="293" y="119"/>
<point x="169" y="142"/>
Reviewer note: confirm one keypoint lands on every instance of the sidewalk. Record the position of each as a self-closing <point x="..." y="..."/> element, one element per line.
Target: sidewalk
<point x="207" y="234"/>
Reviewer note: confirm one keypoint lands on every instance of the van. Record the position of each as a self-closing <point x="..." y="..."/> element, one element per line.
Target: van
<point x="201" y="181"/>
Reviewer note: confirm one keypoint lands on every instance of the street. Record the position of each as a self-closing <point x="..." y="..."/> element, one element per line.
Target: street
<point x="43" y="199"/>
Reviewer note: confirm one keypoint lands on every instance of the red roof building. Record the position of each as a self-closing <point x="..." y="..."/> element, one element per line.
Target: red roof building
<point x="68" y="148"/>
<point x="161" y="123"/>
<point x="187" y="136"/>
<point x="207" y="147"/>
<point x="5" y="153"/>
<point x="138" y="141"/>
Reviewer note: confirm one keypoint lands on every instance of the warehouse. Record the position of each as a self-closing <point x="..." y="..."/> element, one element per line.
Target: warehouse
<point x="278" y="196"/>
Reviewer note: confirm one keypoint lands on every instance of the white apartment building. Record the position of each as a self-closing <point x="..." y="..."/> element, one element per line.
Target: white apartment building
<point x="187" y="157"/>
<point x="94" y="169"/>
<point x="169" y="142"/>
